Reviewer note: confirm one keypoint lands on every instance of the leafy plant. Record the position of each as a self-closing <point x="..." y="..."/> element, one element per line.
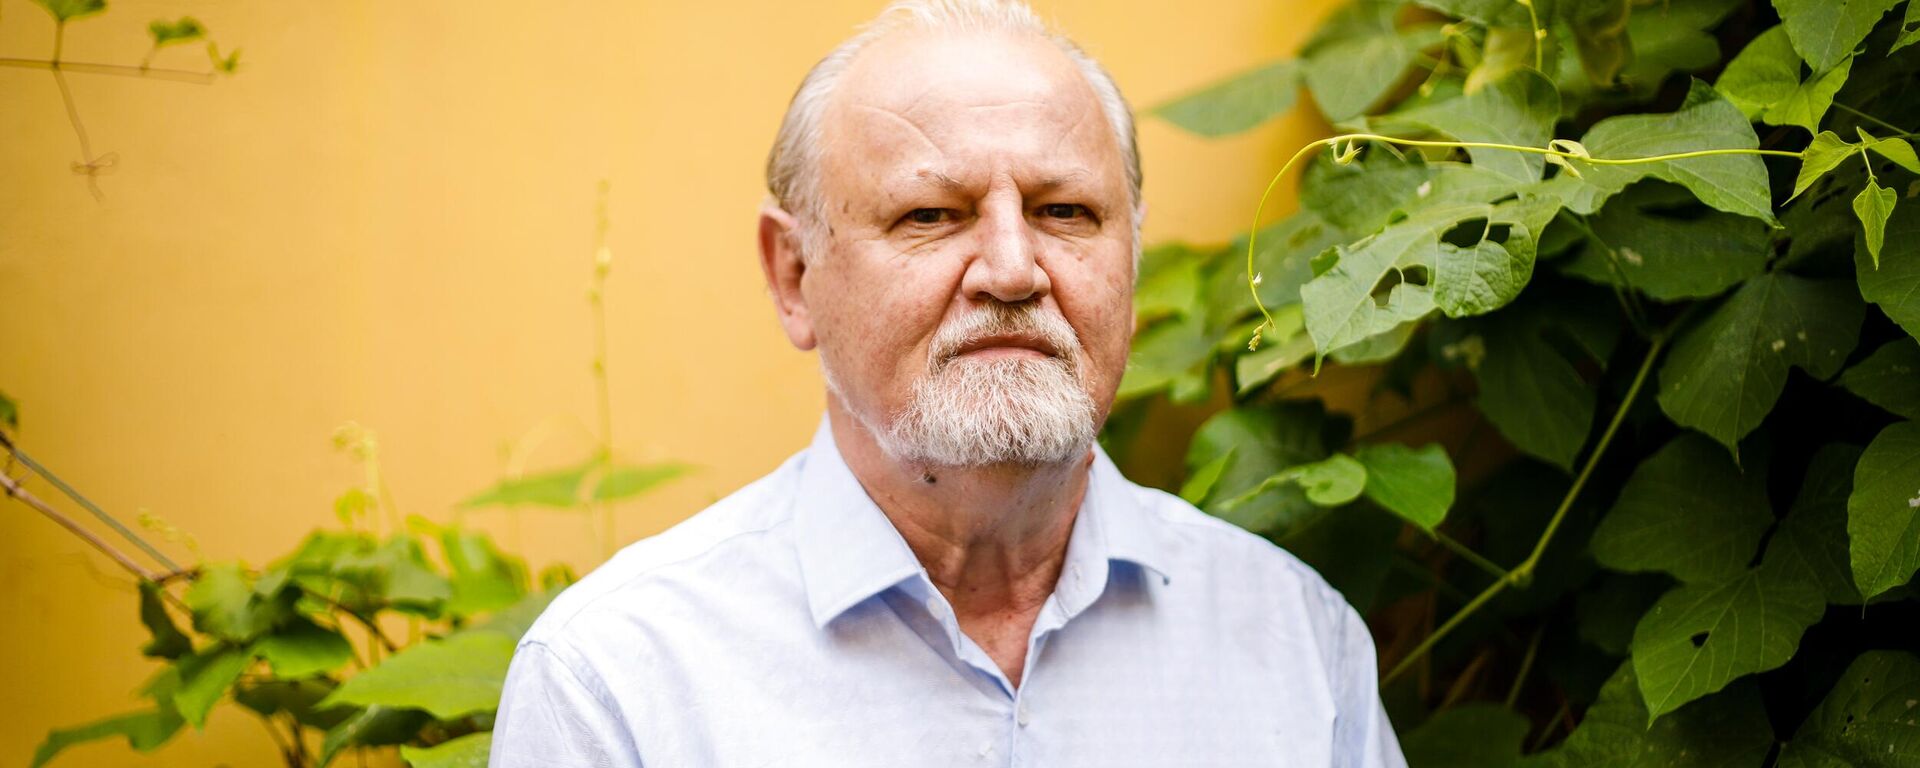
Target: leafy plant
<point x="1578" y="284"/>
<point x="310" y="643"/>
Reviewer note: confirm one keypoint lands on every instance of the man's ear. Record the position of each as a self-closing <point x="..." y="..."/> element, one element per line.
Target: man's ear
<point x="783" y="266"/>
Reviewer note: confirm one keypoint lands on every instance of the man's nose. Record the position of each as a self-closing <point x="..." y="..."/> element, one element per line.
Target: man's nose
<point x="1005" y="264"/>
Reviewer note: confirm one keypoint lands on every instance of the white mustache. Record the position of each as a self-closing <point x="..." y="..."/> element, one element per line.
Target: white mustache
<point x="1001" y="319"/>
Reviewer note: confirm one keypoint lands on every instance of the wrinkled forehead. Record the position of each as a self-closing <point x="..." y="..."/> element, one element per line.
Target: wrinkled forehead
<point x="964" y="105"/>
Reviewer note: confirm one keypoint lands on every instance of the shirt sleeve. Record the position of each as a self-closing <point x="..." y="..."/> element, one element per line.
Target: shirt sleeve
<point x="1362" y="735"/>
<point x="550" y="718"/>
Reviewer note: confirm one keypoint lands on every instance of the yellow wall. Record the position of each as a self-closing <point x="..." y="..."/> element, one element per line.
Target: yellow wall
<point x="387" y="217"/>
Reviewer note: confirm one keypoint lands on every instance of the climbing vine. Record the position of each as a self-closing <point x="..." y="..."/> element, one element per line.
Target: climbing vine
<point x="1635" y="477"/>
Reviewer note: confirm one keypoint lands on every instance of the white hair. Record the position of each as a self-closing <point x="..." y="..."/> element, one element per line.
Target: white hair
<point x="793" y="163"/>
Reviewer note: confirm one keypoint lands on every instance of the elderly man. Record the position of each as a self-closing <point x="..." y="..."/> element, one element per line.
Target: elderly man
<point x="952" y="573"/>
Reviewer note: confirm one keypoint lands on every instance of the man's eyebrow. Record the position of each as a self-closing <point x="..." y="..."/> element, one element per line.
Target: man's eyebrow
<point x="1059" y="180"/>
<point x="937" y="177"/>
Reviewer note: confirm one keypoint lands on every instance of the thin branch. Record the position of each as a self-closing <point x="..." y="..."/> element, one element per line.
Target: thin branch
<point x="368" y="623"/>
<point x="1478" y="560"/>
<point x="14" y="490"/>
<point x="117" y="70"/>
<point x="91" y="507"/>
<point x="1871" y="119"/>
<point x="1526" y="665"/>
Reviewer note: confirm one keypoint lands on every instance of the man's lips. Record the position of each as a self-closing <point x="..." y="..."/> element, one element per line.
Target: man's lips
<point x="1007" y="345"/>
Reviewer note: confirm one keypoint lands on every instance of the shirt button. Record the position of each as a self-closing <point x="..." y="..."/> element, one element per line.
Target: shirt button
<point x="1076" y="573"/>
<point x="1022" y="716"/>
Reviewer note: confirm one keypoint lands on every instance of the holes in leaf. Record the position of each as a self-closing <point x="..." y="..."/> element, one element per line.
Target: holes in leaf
<point x="1699" y="639"/>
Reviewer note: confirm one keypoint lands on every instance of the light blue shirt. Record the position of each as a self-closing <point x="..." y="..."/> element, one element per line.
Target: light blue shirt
<point x="790" y="625"/>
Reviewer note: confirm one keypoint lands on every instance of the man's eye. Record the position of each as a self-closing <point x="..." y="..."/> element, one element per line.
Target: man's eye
<point x="1063" y="211"/>
<point x="927" y="215"/>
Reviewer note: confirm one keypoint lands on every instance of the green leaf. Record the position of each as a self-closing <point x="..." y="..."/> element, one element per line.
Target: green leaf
<point x="67" y="10"/>
<point x="396" y="574"/>
<point x="1865" y="721"/>
<point x="1889" y="378"/>
<point x="1415" y="483"/>
<point x="299" y="698"/>
<point x="1900" y="151"/>
<point x="1652" y="238"/>
<point x="1688" y="511"/>
<point x="1810" y="546"/>
<point x="1725" y="373"/>
<point x="449" y="678"/>
<point x="1467" y="736"/>
<point x="168" y="641"/>
<point x="1600" y="37"/>
<point x="227" y="64"/>
<point x="1237" y="103"/>
<point x="1826" y="31"/>
<point x="1364" y="195"/>
<point x="144" y="731"/>
<point x="1699" y="637"/>
<point x="1606" y="613"/>
<point x="559" y="489"/>
<point x="1873" y="206"/>
<point x="1764" y="82"/>
<point x="1732" y="183"/>
<point x="1519" y="109"/>
<point x="1883" y="511"/>
<point x="1826" y="152"/>
<point x="483" y="578"/>
<point x="1728" y="730"/>
<point x="1355" y="57"/>
<point x="1169" y="282"/>
<point x="1486" y="13"/>
<point x="626" y="481"/>
<point x="469" y="751"/>
<point x="513" y="621"/>
<point x="1894" y="283"/>
<point x="1200" y="483"/>
<point x="1909" y="28"/>
<point x="205" y="677"/>
<point x="1332" y="481"/>
<point x="187" y="29"/>
<point x="225" y="605"/>
<point x="302" y="649"/>
<point x="9" y="412"/>
<point x="1531" y="392"/>
<point x="373" y="726"/>
<point x="1164" y="352"/>
<point x="1264" y="441"/>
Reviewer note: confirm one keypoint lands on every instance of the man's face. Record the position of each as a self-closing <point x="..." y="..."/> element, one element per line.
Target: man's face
<point x="978" y="224"/>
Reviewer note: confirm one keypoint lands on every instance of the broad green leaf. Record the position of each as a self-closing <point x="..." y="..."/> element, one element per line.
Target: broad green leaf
<point x="625" y="481"/>
<point x="1505" y="51"/>
<point x="168" y="641"/>
<point x="1237" y="103"/>
<point x="1162" y="353"/>
<point x="1519" y="109"/>
<point x="1169" y="282"/>
<point x="1378" y="348"/>
<point x="1883" y="512"/>
<point x="1894" y="283"/>
<point x="1200" y="483"/>
<point x="1606" y="612"/>
<point x="1732" y="183"/>
<point x="1699" y="637"/>
<point x="469" y="751"/>
<point x="164" y="32"/>
<point x="1889" y="378"/>
<point x="1909" y="28"/>
<point x="299" y="698"/>
<point x="1414" y="483"/>
<point x="483" y="578"/>
<point x="558" y="488"/>
<point x="1354" y="299"/>
<point x="1468" y="736"/>
<point x="1488" y="13"/>
<point x="1725" y="372"/>
<point x="303" y="649"/>
<point x="1688" y="511"/>
<point x="1826" y="31"/>
<point x="1479" y="278"/>
<point x="1826" y="152"/>
<point x="514" y="620"/>
<point x="1652" y="238"/>
<point x="397" y="574"/>
<point x="1866" y="720"/>
<point x="67" y="10"/>
<point x="205" y="677"/>
<point x="225" y="605"/>
<point x="1283" y="260"/>
<point x="1810" y="546"/>
<point x="1900" y="151"/>
<point x="1874" y="205"/>
<point x="1362" y="196"/>
<point x="1355" y="57"/>
<point x="1264" y="441"/>
<point x="1284" y="346"/>
<point x="373" y="726"/>
<point x="448" y="678"/>
<point x="1764" y="82"/>
<point x="1727" y="730"/>
<point x="1332" y="481"/>
<point x="1530" y="391"/>
<point x="144" y="731"/>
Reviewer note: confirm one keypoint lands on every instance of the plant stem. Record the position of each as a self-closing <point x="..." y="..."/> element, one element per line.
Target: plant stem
<point x="89" y="506"/>
<point x="1478" y="560"/>
<point x="117" y="70"/>
<point x="1521" y="574"/>
<point x="13" y="489"/>
<point x="1871" y="119"/>
<point x="1526" y="666"/>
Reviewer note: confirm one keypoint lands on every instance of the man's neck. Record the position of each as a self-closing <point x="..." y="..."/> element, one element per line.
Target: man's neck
<point x="993" y="538"/>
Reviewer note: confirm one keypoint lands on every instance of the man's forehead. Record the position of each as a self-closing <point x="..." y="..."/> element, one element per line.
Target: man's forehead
<point x="916" y="72"/>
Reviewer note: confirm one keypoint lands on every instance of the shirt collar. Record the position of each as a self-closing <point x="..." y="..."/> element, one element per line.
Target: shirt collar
<point x="849" y="551"/>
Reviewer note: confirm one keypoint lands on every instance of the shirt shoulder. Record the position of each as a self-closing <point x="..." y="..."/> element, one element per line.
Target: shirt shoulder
<point x="620" y="585"/>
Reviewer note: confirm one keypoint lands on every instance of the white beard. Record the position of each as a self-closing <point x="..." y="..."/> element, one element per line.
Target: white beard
<point x="967" y="412"/>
